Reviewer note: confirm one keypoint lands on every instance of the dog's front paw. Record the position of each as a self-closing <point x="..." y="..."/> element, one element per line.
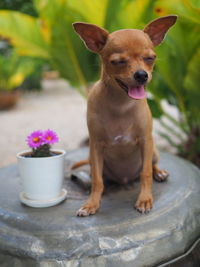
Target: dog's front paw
<point x="160" y="175"/>
<point x="87" y="209"/>
<point x="144" y="203"/>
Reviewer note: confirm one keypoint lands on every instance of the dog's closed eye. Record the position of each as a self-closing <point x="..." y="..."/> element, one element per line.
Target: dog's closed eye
<point x="118" y="59"/>
<point x="149" y="59"/>
<point x="120" y="62"/>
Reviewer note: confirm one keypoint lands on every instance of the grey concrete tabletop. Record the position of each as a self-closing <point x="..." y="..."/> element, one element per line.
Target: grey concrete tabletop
<point x="116" y="236"/>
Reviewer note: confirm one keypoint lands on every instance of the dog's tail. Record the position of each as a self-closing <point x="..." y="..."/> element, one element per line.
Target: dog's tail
<point x="80" y="163"/>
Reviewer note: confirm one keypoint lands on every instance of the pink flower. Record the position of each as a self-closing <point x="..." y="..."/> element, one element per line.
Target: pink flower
<point x="35" y="139"/>
<point x="50" y="137"/>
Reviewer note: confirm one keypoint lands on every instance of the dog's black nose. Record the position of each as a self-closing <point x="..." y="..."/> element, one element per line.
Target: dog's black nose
<point x="141" y="76"/>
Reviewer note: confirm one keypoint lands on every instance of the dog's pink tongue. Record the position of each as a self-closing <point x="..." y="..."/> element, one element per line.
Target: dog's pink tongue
<point x="137" y="92"/>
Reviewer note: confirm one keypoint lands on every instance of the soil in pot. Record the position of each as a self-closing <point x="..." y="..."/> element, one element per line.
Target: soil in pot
<point x="29" y="154"/>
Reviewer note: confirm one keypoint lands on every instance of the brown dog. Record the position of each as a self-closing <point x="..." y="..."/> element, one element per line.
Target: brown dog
<point x="118" y="116"/>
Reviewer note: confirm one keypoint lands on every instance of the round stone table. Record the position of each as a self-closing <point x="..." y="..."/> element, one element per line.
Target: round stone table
<point x="116" y="236"/>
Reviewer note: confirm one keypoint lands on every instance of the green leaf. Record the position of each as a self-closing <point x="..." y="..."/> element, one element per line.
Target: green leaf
<point x="111" y="13"/>
<point x="13" y="70"/>
<point x="135" y="14"/>
<point x="186" y="8"/>
<point x="24" y="33"/>
<point x="68" y="53"/>
<point x="156" y="108"/>
<point x="191" y="84"/>
<point x="92" y="11"/>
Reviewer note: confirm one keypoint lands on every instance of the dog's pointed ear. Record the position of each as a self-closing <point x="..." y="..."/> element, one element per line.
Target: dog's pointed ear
<point x="157" y="28"/>
<point x="94" y="37"/>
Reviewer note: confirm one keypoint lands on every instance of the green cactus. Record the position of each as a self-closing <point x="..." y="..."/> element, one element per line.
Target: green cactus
<point x="42" y="151"/>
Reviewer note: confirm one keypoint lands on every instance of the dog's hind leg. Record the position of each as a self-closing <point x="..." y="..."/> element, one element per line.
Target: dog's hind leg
<point x="158" y="174"/>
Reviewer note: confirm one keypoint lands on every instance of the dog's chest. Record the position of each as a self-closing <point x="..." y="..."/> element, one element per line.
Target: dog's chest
<point x="118" y="129"/>
<point x="118" y="135"/>
<point x="120" y="143"/>
<point x="117" y="126"/>
<point x="121" y="139"/>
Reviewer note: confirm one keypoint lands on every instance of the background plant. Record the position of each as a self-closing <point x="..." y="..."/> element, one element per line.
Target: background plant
<point x="33" y="80"/>
<point x="20" y="5"/>
<point x="50" y="36"/>
<point x="177" y="78"/>
<point x="13" y="69"/>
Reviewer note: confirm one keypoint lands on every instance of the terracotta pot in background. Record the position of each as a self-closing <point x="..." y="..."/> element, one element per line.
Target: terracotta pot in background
<point x="8" y="99"/>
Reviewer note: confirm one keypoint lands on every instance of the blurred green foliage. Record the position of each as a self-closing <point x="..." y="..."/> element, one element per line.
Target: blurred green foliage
<point x="177" y="77"/>
<point x="50" y="36"/>
<point x="19" y="5"/>
<point x="14" y="69"/>
<point x="33" y="80"/>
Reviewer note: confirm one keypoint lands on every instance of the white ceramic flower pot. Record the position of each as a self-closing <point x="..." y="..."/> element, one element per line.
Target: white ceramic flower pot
<point x="42" y="179"/>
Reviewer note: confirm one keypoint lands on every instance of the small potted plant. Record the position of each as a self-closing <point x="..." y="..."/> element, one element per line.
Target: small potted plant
<point x="42" y="170"/>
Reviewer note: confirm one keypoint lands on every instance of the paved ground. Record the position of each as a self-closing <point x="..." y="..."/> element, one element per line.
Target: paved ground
<point x="56" y="107"/>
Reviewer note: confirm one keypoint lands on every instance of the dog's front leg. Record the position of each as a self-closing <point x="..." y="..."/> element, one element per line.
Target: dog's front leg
<point x="96" y="163"/>
<point x="145" y="200"/>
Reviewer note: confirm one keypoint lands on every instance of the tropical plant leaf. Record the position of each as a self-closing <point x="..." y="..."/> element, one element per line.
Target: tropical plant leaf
<point x="68" y="66"/>
<point x="192" y="78"/>
<point x="185" y="8"/>
<point x="135" y="14"/>
<point x="160" y="89"/>
<point x="172" y="70"/>
<point x="191" y="84"/>
<point x="156" y="108"/>
<point x="13" y="70"/>
<point x="24" y="68"/>
<point x="68" y="53"/>
<point x="92" y="11"/>
<point x="112" y="11"/>
<point x="23" y="31"/>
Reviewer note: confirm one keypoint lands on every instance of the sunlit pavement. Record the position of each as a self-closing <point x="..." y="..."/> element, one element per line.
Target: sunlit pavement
<point x="56" y="107"/>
